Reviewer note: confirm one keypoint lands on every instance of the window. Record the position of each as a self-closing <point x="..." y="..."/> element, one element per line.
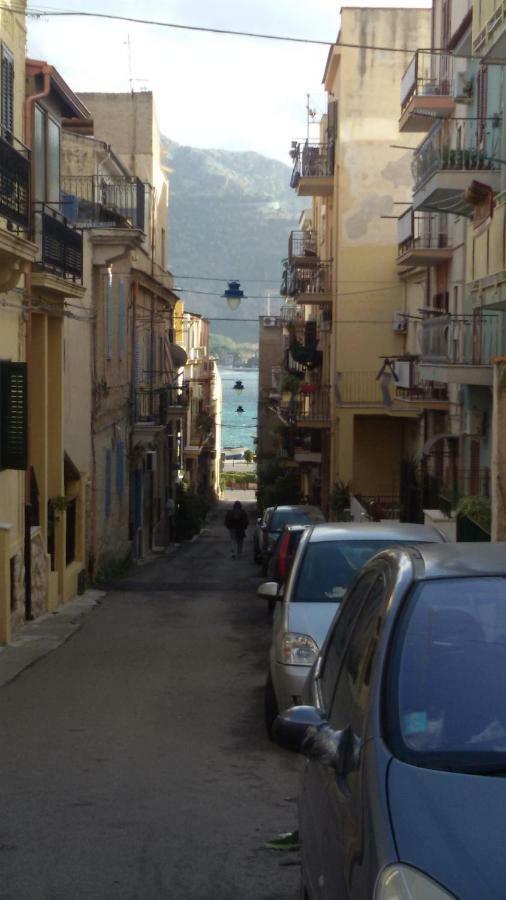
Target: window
<point x="352" y="690"/>
<point x="446" y="700"/>
<point x="337" y="643"/>
<point x="108" y="316"/>
<point x="107" y="487"/>
<point x="481" y="104"/>
<point x="164" y="249"/>
<point x="13" y="415"/>
<point x="120" y="468"/>
<point x="46" y="157"/>
<point x="329" y="567"/>
<point x="7" y="104"/>
<point x="121" y="318"/>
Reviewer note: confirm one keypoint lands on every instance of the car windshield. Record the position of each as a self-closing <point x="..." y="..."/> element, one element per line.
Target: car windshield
<point x="328" y="567"/>
<point x="449" y="674"/>
<point x="282" y="517"/>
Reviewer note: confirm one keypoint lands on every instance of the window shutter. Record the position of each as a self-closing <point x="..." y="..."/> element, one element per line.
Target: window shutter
<point x="13" y="415"/>
<point x="120" y="468"/>
<point x="121" y="318"/>
<point x="108" y="318"/>
<point x="7" y="93"/>
<point x="108" y="477"/>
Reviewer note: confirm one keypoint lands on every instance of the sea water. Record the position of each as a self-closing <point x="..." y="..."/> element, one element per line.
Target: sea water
<point x="239" y="429"/>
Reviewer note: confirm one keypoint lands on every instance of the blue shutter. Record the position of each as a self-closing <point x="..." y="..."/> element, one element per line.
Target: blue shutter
<point x="108" y="478"/>
<point x="108" y="318"/>
<point x="120" y="468"/>
<point x="121" y="318"/>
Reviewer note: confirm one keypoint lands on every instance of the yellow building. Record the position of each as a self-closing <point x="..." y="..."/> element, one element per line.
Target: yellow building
<point x="345" y="262"/>
<point x="17" y="252"/>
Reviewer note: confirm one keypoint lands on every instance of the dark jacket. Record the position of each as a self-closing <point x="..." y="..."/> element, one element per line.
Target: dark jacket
<point x="236" y="520"/>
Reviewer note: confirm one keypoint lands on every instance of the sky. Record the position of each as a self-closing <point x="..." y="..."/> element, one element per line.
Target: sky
<point x="211" y="91"/>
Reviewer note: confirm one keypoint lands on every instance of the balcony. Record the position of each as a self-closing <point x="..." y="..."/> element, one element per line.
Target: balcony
<point x="359" y="389"/>
<point x="443" y="172"/>
<point x="422" y="239"/>
<point x="104" y="201"/>
<point x="309" y="408"/>
<point x="427" y="89"/>
<point x="156" y="407"/>
<point x="489" y="31"/>
<point x="60" y="246"/>
<point x="460" y="350"/>
<point x="313" y="170"/>
<point x="14" y="182"/>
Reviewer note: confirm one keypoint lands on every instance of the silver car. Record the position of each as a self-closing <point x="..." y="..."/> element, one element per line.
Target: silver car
<point x="327" y="560"/>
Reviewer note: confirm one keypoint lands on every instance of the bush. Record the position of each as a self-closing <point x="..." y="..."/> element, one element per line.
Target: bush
<point x="340" y="500"/>
<point x="478" y="509"/>
<point x="191" y="512"/>
<point x="276" y="485"/>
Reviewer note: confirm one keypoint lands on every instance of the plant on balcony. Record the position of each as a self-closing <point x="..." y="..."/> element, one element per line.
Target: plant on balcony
<point x="307" y="388"/>
<point x="290" y="384"/>
<point x="478" y="509"/>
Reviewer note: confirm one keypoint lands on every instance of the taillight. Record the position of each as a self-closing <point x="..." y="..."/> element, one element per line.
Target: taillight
<point x="283" y="555"/>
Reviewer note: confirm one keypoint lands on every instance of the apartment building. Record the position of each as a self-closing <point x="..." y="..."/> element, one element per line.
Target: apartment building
<point x="341" y="271"/>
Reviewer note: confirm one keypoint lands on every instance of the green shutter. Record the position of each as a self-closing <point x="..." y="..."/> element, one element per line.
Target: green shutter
<point x="7" y="93"/>
<point x="13" y="415"/>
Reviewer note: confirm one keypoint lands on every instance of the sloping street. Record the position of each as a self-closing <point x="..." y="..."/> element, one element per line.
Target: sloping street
<point x="135" y="762"/>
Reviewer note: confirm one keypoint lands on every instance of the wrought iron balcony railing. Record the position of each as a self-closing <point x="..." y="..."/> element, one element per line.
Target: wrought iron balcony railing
<point x="422" y="231"/>
<point x="14" y="181"/>
<point x="428" y="74"/>
<point x="155" y="406"/>
<point x="104" y="200"/>
<point x="310" y="404"/>
<point x="472" y="340"/>
<point x="60" y="245"/>
<point x="311" y="160"/>
<point x="467" y="149"/>
<point x="303" y="249"/>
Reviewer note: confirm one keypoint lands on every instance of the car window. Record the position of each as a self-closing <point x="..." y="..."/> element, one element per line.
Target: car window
<point x="349" y="704"/>
<point x="282" y="517"/>
<point x="448" y="702"/>
<point x="328" y="567"/>
<point x="337" y="641"/>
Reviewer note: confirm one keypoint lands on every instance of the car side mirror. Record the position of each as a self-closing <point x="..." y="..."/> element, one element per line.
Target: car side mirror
<point x="291" y="727"/>
<point x="269" y="590"/>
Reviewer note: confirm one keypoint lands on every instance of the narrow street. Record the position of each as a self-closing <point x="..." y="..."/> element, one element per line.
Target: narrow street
<point x="135" y="762"/>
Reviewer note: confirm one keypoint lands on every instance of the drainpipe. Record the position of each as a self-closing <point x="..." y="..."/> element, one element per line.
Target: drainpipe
<point x="28" y="354"/>
<point x="135" y="288"/>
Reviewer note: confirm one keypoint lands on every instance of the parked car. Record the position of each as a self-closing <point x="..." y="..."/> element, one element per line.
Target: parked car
<point x="280" y="562"/>
<point x="404" y="793"/>
<point x="327" y="560"/>
<point x="269" y="527"/>
<point x="261" y="525"/>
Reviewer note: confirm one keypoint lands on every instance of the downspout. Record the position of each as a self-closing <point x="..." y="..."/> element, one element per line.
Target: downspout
<point x="132" y="415"/>
<point x="29" y="101"/>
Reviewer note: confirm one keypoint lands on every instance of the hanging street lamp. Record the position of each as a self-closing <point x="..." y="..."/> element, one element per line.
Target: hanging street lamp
<point x="233" y="295"/>
<point x="238" y="387"/>
<point x="239" y="410"/>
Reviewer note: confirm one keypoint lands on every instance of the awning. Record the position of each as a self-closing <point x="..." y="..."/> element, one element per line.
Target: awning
<point x="432" y="441"/>
<point x="179" y="356"/>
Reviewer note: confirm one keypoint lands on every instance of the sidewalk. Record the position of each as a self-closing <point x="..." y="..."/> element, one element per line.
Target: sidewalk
<point x="40" y="637"/>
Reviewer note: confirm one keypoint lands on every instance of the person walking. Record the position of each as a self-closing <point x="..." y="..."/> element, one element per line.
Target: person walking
<point x="236" y="521"/>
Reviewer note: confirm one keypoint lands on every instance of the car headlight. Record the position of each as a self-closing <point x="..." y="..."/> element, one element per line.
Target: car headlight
<point x="401" y="882"/>
<point x="299" y="649"/>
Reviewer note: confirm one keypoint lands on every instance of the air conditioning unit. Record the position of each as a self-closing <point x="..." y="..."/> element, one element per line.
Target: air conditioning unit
<point x="150" y="461"/>
<point x="400" y="322"/>
<point x="269" y="321"/>
<point x="462" y="87"/>
<point x="474" y="422"/>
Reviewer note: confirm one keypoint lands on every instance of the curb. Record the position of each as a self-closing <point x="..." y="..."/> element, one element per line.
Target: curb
<point x="36" y="639"/>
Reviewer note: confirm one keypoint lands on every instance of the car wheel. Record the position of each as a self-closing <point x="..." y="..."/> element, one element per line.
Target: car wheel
<point x="271" y="709"/>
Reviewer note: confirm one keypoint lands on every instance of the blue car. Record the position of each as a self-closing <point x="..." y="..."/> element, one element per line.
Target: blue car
<point x="404" y="727"/>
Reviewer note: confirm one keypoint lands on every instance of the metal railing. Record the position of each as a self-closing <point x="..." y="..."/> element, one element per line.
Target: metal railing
<point x="469" y="340"/>
<point x="14" y="181"/>
<point x="465" y="149"/>
<point x="292" y="314"/>
<point x="104" y="200"/>
<point x="156" y="405"/>
<point x="308" y="405"/>
<point x="60" y="245"/>
<point x="428" y="74"/>
<point x="380" y="506"/>
<point x="303" y="249"/>
<point x="311" y="160"/>
<point x="445" y="493"/>
<point x="422" y="391"/>
<point x="422" y="231"/>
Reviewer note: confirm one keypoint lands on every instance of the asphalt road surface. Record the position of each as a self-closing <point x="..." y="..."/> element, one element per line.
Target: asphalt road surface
<point x="133" y="759"/>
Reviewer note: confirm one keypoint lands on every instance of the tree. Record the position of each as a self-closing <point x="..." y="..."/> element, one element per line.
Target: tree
<point x="248" y="456"/>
